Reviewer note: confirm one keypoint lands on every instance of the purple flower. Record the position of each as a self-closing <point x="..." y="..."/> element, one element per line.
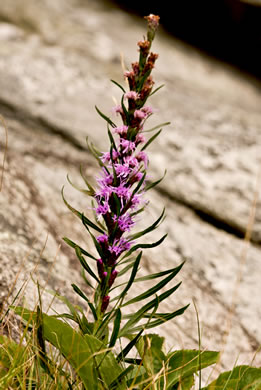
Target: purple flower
<point x="107" y="156"/>
<point x="117" y="109"/>
<point x="131" y="95"/>
<point x="140" y="139"/>
<point x="131" y="161"/>
<point x="125" y="222"/>
<point x="127" y="146"/>
<point x="103" y="209"/>
<point x="122" y="192"/>
<point x="119" y="246"/>
<point x="142" y="156"/>
<point x="121" y="130"/>
<point x="102" y="239"/>
<point x="122" y="170"/>
<point x="139" y="114"/>
<point x="147" y="110"/>
<point x="128" y="73"/>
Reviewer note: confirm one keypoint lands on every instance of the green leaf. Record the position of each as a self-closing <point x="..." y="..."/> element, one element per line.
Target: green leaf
<point x="116" y="328"/>
<point x="69" y="342"/>
<point x="241" y="377"/>
<point x="150" y="349"/>
<point x="129" y="347"/>
<point x="131" y="279"/>
<point x="149" y="229"/>
<point x="108" y="120"/>
<point x="97" y="155"/>
<point x="81" y="294"/>
<point x="112" y="141"/>
<point x="106" y="364"/>
<point x="155" y="288"/>
<point x="150" y="305"/>
<point x="185" y="363"/>
<point x="159" y="274"/>
<point x="153" y="245"/>
<point x="161" y="319"/>
<point x="118" y="85"/>
<point x="151" y="140"/>
<point x="86" y="192"/>
<point x="156" y="127"/>
<point x="73" y="245"/>
<point x="125" y="269"/>
<point x="186" y="383"/>
<point x="142" y="80"/>
<point x="91" y="189"/>
<point x="84" y="219"/>
<point x="155" y="183"/>
<point x="115" y="383"/>
<point x="157" y="89"/>
<point x="125" y="110"/>
<point x="85" y="264"/>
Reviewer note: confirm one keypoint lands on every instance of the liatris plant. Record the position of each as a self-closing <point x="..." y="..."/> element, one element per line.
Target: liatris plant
<point x="117" y="200"/>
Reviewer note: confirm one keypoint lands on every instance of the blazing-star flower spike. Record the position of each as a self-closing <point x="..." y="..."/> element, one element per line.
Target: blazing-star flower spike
<point x="125" y="166"/>
<point x="119" y="195"/>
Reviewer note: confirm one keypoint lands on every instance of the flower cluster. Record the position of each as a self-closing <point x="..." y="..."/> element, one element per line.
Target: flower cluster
<point x="120" y="186"/>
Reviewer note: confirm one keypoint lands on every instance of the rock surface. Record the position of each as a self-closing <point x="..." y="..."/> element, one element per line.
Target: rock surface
<point x="56" y="60"/>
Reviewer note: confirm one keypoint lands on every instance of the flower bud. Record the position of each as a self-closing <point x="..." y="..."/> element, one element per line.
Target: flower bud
<point x="105" y="303"/>
<point x="113" y="276"/>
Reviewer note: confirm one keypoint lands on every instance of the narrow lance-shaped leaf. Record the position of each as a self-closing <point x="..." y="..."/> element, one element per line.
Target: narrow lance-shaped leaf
<point x="157" y="89"/>
<point x="149" y="229"/>
<point x="158" y="274"/>
<point x="115" y="384"/>
<point x="116" y="328"/>
<point x="97" y="155"/>
<point x="156" y="127"/>
<point x="73" y="245"/>
<point x="86" y="192"/>
<point x="105" y="117"/>
<point x="85" y="264"/>
<point x="111" y="139"/>
<point x="151" y="140"/>
<point x="135" y="247"/>
<point x="131" y="279"/>
<point x="139" y="314"/>
<point x="125" y="110"/>
<point x="85" y="220"/>
<point x="155" y="288"/>
<point x="128" y="347"/>
<point x="97" y="245"/>
<point x="162" y="318"/>
<point x="82" y="295"/>
<point x="91" y="189"/>
<point x="155" y="183"/>
<point x="118" y="85"/>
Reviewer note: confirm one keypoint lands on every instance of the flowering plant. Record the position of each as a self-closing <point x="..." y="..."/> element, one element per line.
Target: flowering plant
<point x="95" y="349"/>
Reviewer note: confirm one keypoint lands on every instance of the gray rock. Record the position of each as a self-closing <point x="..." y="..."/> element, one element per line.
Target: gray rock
<point x="56" y="60"/>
